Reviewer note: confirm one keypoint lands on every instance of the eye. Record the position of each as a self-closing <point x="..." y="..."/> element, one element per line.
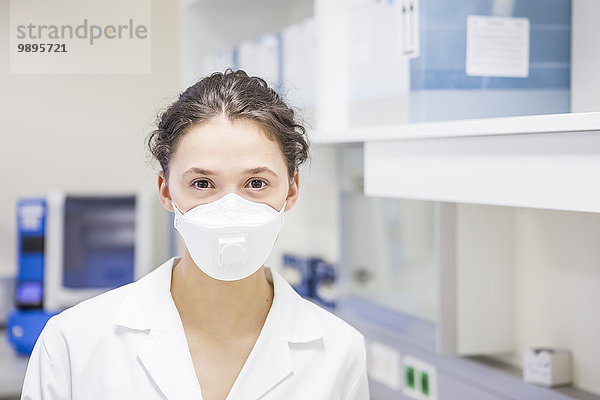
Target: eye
<point x="257" y="184"/>
<point x="202" y="184"/>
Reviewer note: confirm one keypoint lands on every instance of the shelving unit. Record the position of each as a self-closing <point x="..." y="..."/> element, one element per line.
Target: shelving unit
<point x="451" y="294"/>
<point x="553" y="123"/>
<point x="486" y="161"/>
<point x="549" y="161"/>
<point x="551" y="170"/>
<point x="475" y="292"/>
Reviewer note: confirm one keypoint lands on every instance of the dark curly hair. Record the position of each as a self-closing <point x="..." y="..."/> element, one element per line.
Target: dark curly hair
<point x="235" y="95"/>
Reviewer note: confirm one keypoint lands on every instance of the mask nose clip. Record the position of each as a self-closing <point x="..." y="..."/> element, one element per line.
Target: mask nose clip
<point x="231" y="251"/>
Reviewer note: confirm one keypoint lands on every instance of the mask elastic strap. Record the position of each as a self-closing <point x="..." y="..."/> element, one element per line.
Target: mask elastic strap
<point x="284" y="204"/>
<point x="176" y="208"/>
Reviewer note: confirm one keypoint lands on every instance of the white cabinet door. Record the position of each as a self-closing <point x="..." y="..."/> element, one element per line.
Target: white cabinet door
<point x="551" y="170"/>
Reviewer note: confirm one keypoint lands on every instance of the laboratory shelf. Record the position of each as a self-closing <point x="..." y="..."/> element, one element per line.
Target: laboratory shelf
<point x="550" y="162"/>
<point x="417" y="332"/>
<point x="550" y="123"/>
<point x="459" y="377"/>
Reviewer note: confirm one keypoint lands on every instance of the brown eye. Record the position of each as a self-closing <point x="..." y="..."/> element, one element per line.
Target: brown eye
<point x="257" y="183"/>
<point x="201" y="184"/>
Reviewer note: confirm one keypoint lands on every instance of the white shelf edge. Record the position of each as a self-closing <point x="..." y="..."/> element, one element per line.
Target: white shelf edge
<point x="548" y="123"/>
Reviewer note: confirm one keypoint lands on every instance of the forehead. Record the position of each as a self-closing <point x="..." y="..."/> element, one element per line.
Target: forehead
<point x="220" y="143"/>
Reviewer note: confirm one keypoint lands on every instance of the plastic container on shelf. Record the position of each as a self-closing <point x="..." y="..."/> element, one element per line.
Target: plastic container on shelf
<point x="299" y="68"/>
<point x="261" y="57"/>
<point x="378" y="73"/>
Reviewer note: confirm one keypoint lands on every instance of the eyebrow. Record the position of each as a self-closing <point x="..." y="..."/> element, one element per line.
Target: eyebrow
<point x="250" y="171"/>
<point x="258" y="170"/>
<point x="200" y="171"/>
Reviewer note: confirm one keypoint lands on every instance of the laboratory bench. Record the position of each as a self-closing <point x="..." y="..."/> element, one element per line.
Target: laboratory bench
<point x="12" y="370"/>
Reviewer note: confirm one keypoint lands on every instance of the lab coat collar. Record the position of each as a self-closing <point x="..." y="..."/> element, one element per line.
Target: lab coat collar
<point x="166" y="357"/>
<point x="138" y="310"/>
<point x="297" y="319"/>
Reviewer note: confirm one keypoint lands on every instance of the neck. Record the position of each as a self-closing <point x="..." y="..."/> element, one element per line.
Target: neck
<point x="220" y="308"/>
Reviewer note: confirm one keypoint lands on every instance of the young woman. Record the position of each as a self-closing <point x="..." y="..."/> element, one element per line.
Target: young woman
<point x="215" y="323"/>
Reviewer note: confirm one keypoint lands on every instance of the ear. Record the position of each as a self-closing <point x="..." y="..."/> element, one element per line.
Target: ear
<point x="164" y="194"/>
<point x="293" y="191"/>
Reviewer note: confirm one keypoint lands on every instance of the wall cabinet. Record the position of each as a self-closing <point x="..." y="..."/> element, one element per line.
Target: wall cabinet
<point x="540" y="161"/>
<point x="399" y="66"/>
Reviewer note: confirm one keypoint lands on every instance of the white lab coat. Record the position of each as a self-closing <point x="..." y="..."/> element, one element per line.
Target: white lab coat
<point x="129" y="343"/>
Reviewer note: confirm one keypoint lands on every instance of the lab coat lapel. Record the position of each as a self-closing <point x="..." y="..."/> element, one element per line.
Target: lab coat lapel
<point x="270" y="361"/>
<point x="168" y="368"/>
<point x="147" y="306"/>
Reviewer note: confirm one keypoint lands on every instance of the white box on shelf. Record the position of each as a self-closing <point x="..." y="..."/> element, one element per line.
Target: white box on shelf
<point x="547" y="367"/>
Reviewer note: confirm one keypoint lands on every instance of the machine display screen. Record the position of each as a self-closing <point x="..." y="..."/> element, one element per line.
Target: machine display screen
<point x="99" y="242"/>
<point x="29" y="294"/>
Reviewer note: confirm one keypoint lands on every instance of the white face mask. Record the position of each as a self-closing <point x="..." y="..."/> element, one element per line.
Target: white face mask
<point x="230" y="238"/>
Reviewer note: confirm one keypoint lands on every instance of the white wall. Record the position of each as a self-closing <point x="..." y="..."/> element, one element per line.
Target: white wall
<point x="557" y="273"/>
<point x="81" y="133"/>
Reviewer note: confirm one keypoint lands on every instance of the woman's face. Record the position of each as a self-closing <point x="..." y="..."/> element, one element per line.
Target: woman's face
<point x="220" y="157"/>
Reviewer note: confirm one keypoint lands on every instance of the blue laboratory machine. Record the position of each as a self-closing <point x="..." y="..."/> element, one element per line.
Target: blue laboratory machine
<point x="26" y="322"/>
<point x="70" y="248"/>
<point x="313" y="278"/>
